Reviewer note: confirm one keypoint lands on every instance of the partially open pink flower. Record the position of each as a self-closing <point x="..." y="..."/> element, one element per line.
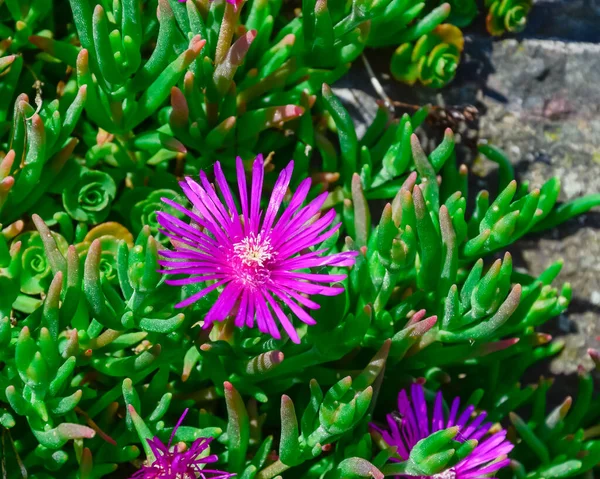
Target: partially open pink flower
<point x="260" y="260"/>
<point x="174" y="462"/>
<point x="413" y="422"/>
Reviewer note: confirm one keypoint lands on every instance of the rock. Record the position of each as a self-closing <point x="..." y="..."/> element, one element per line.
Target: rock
<point x="549" y="122"/>
<point x="567" y="20"/>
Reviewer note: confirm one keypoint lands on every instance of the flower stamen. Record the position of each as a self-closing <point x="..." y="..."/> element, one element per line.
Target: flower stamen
<point x="447" y="474"/>
<point x="253" y="250"/>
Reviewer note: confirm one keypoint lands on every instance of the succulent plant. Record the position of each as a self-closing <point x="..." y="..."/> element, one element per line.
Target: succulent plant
<point x="89" y="198"/>
<point x="161" y="108"/>
<point x="109" y="236"/>
<point x="462" y="12"/>
<point x="432" y="60"/>
<point x="41" y="145"/>
<point x="35" y="269"/>
<point x="10" y="71"/>
<point x="507" y="15"/>
<point x="145" y="211"/>
<point x="18" y="20"/>
<point x="405" y="22"/>
<point x="135" y="329"/>
<point x="561" y="440"/>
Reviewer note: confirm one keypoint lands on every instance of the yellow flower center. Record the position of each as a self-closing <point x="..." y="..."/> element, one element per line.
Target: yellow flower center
<point x="253" y="250"/>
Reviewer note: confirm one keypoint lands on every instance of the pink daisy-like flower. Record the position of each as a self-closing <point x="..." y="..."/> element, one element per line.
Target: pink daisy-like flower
<point x="177" y="462"/>
<point x="261" y="260"/>
<point x="412" y="423"/>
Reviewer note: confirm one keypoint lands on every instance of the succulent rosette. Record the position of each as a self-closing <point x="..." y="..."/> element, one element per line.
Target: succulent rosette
<point x="507" y="15"/>
<point x="145" y="212"/>
<point x="432" y="60"/>
<point x="89" y="199"/>
<point x="35" y="274"/>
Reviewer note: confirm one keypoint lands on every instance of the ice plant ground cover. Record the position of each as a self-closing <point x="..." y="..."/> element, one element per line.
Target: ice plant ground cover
<point x="206" y="273"/>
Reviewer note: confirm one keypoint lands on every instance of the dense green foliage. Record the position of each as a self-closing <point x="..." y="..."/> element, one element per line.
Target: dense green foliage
<point x="130" y="96"/>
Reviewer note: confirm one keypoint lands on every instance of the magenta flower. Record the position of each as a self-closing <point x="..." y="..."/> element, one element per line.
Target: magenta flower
<point x="412" y="424"/>
<point x="259" y="260"/>
<point x="179" y="463"/>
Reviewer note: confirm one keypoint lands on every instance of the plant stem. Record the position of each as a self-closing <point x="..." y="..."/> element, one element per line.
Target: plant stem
<point x="395" y="469"/>
<point x="389" y="104"/>
<point x="273" y="470"/>
<point x="387" y="287"/>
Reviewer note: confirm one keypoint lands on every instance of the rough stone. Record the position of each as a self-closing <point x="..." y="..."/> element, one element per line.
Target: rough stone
<point x="549" y="122"/>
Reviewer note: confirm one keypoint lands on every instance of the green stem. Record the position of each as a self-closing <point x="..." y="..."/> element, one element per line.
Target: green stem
<point x="567" y="211"/>
<point x="389" y="283"/>
<point x="123" y="140"/>
<point x="296" y="363"/>
<point x="396" y="469"/>
<point x="273" y="470"/>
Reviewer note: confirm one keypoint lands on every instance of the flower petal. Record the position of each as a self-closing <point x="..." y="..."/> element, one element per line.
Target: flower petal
<point x="223" y="305"/>
<point x="226" y="192"/>
<point x="258" y="174"/>
<point x="297" y="310"/>
<point x="241" y="178"/>
<point x="297" y="199"/>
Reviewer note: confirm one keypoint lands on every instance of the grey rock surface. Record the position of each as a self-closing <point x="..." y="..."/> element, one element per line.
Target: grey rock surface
<point x="539" y="99"/>
<point x="550" y="124"/>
